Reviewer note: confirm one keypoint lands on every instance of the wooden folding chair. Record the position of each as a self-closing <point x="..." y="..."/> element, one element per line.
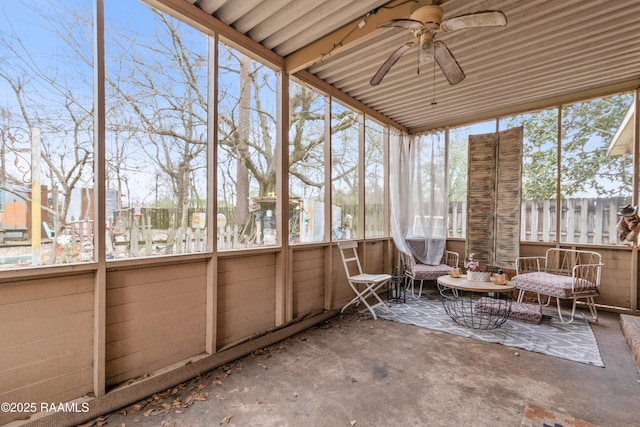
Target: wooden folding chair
<point x="357" y="279"/>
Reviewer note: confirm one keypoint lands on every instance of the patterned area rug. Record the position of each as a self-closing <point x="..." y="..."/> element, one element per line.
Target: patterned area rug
<point x="574" y="341"/>
<point x="537" y="416"/>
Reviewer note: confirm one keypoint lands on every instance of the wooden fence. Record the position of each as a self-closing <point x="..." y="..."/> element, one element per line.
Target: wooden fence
<point x="157" y="218"/>
<point x="584" y="220"/>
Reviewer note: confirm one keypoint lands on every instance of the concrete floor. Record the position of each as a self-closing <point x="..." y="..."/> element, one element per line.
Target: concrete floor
<point x="354" y="371"/>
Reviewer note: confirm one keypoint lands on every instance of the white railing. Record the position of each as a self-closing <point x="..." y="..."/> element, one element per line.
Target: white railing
<point x="583" y="220"/>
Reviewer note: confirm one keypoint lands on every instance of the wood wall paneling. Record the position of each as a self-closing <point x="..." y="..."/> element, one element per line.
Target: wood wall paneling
<point x="375" y="258"/>
<point x="616" y="278"/>
<point x="246" y="297"/>
<point x="46" y="340"/>
<point x="308" y="281"/>
<point x="155" y="316"/>
<point x="341" y="291"/>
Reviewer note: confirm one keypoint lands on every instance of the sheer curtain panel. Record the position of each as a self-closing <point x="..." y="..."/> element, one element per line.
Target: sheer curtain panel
<point x="419" y="195"/>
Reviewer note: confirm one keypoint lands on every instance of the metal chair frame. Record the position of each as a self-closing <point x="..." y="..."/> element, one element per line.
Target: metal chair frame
<point x="450" y="260"/>
<point x="357" y="279"/>
<point x="579" y="265"/>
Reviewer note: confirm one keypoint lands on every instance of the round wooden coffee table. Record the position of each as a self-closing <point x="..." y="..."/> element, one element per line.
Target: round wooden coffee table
<point x="478" y="305"/>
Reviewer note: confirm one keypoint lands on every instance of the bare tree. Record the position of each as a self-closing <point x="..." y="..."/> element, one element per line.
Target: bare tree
<point x="157" y="113"/>
<point x="43" y="97"/>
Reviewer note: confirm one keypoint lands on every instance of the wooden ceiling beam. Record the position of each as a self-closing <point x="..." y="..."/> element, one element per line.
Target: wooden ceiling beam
<point x="350" y="34"/>
<point x="203" y="21"/>
<point x="329" y="90"/>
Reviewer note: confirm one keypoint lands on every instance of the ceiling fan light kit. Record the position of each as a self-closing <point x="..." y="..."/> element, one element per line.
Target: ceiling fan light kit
<point x="426" y="23"/>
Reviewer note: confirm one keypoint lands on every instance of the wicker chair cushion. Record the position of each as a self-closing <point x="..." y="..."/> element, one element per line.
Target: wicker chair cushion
<point x="430" y="272"/>
<point x="555" y="285"/>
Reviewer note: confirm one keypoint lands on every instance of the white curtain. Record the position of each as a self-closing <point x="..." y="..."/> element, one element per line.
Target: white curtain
<point x="419" y="195"/>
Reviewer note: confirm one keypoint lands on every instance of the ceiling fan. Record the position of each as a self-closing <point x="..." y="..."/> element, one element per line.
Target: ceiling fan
<point x="425" y="23"/>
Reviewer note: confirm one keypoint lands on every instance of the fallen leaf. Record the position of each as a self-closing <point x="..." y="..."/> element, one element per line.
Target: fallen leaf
<point x="315" y="387"/>
<point x="226" y="419"/>
<point x="201" y="386"/>
<point x="259" y="402"/>
<point x="216" y="382"/>
<point x="262" y="365"/>
<point x="353" y="423"/>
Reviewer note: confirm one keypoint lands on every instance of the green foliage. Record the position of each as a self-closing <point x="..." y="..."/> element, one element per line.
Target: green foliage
<point x="587" y="130"/>
<point x="457" y="169"/>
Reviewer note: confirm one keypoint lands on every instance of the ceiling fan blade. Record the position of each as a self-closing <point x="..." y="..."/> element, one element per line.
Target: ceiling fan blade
<point x="384" y="69"/>
<point x="474" y="20"/>
<point x="410" y="24"/>
<point x="448" y="64"/>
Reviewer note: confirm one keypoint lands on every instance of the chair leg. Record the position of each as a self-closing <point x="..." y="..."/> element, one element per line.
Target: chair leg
<point x="546" y="304"/>
<point x="357" y="301"/>
<point x="573" y="311"/>
<point x="374" y="291"/>
<point x="413" y="293"/>
<point x="361" y="297"/>
<point x="371" y="310"/>
<point x="592" y="308"/>
<point x="590" y="304"/>
<point x="408" y="283"/>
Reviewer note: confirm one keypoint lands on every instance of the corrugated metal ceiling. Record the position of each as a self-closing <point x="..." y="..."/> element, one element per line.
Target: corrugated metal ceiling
<point x="550" y="51"/>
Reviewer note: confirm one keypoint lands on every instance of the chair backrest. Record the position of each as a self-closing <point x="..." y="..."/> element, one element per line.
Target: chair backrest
<point x="408" y="262"/>
<point x="451" y="258"/>
<point x="562" y="261"/>
<point x="349" y="254"/>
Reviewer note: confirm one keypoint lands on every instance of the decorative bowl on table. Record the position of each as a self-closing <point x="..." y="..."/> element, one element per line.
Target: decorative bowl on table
<point x="479" y="276"/>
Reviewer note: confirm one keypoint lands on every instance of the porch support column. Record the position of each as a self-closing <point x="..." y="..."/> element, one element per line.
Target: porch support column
<point x="99" y="180"/>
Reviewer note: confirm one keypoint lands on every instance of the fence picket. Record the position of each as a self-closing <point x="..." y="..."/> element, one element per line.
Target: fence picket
<point x="583" y="220"/>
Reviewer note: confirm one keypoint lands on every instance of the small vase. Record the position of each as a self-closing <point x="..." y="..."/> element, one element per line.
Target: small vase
<point x="479" y="276"/>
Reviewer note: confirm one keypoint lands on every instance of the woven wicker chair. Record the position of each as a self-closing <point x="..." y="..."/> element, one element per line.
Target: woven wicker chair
<point x="416" y="271"/>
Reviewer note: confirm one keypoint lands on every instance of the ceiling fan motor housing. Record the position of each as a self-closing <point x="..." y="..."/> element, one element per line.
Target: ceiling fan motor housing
<point x="430" y="16"/>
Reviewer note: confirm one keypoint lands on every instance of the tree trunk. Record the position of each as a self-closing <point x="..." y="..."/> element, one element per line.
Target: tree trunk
<point x="242" y="177"/>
